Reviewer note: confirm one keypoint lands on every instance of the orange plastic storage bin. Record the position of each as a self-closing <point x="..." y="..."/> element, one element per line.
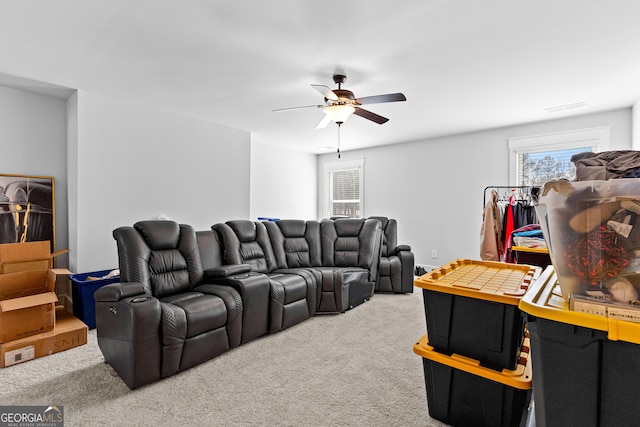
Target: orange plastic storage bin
<point x="460" y="392"/>
<point x="471" y="308"/>
<point x="585" y="366"/>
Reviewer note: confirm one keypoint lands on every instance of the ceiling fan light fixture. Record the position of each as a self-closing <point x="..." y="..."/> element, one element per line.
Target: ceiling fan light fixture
<point x="339" y="113"/>
<point x="340" y="104"/>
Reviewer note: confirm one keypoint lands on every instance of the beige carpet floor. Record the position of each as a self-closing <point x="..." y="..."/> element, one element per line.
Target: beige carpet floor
<point x="352" y="369"/>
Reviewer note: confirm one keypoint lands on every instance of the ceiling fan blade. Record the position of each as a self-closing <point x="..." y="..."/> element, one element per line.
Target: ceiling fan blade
<point x="377" y="99"/>
<point x="326" y="92"/>
<point x="370" y="116"/>
<point x="296" y="108"/>
<point x="323" y="122"/>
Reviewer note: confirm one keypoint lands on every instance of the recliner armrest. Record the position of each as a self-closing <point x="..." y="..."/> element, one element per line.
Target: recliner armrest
<point x="408" y="263"/>
<point x="254" y="291"/>
<point x="400" y="248"/>
<point x="117" y="291"/>
<point x="226" y="271"/>
<point x="128" y="325"/>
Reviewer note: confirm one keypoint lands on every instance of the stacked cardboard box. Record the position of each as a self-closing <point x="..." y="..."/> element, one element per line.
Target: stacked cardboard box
<point x="36" y="256"/>
<point x="27" y="303"/>
<point x="30" y="324"/>
<point x="68" y="332"/>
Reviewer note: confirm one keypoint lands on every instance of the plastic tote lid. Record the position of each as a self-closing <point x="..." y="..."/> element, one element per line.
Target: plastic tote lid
<point x="487" y="280"/>
<point x="520" y="377"/>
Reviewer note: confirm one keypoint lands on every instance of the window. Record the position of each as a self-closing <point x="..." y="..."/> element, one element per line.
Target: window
<point x="343" y="188"/>
<point x="535" y="160"/>
<point x="536" y="168"/>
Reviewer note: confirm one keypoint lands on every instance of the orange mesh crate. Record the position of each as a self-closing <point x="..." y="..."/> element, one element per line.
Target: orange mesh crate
<point x="471" y="308"/>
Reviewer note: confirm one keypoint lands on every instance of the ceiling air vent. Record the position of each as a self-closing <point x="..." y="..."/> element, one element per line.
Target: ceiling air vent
<point x="565" y="107"/>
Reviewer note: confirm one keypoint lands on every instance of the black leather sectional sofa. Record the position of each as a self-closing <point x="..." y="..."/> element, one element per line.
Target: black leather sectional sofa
<point x="187" y="296"/>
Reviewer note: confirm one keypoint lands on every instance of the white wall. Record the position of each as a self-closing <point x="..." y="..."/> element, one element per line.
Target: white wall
<point x="435" y="187"/>
<point x="33" y="142"/>
<point x="128" y="162"/>
<point x="72" y="174"/>
<point x="283" y="183"/>
<point x="136" y="162"/>
<point x="635" y="127"/>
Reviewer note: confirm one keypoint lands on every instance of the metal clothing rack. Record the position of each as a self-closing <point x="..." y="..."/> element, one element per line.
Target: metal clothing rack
<point x="523" y="192"/>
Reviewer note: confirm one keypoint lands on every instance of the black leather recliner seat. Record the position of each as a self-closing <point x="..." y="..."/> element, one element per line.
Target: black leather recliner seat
<point x="254" y="288"/>
<point x="395" y="273"/>
<point x="162" y="318"/>
<point x="351" y="254"/>
<point x="186" y="297"/>
<point x="341" y="257"/>
<point x="292" y="295"/>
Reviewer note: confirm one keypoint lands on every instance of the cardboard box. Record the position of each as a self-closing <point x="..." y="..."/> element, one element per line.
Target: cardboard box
<point x="27" y="303"/>
<point x="27" y="256"/>
<point x="64" y="293"/>
<point x="36" y="256"/>
<point x="63" y="288"/>
<point x="69" y="332"/>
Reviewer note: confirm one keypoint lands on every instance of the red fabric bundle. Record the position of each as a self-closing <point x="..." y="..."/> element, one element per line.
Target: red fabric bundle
<point x="596" y="257"/>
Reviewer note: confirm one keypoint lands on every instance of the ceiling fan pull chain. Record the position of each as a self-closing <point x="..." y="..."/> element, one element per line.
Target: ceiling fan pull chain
<point x="338" y="140"/>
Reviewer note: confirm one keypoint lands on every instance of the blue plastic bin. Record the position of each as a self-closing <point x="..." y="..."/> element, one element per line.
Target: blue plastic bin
<point x="82" y="290"/>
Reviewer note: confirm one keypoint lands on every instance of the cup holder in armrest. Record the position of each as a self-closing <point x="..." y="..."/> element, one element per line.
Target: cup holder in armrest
<point x="139" y="299"/>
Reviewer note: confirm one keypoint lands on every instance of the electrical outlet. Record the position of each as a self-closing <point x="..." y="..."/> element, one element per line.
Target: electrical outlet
<point x="434" y="254"/>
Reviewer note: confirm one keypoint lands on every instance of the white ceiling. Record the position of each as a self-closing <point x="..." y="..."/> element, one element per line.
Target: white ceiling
<point x="463" y="65"/>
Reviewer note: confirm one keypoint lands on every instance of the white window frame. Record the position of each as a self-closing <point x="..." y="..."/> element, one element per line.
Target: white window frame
<point x="338" y="166"/>
<point x="598" y="137"/>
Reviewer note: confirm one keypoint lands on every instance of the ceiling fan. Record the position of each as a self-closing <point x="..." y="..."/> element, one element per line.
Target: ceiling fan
<point x="340" y="104"/>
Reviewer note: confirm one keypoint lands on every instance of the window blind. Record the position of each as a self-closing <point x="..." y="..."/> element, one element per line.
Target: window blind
<point x="344" y="192"/>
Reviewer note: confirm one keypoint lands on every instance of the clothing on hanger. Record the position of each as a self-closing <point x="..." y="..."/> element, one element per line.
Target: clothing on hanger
<point x="491" y="247"/>
<point x="505" y="212"/>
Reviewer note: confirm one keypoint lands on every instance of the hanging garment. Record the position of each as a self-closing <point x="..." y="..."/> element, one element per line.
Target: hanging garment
<point x="509" y="223"/>
<point x="491" y="231"/>
<point x="524" y="214"/>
